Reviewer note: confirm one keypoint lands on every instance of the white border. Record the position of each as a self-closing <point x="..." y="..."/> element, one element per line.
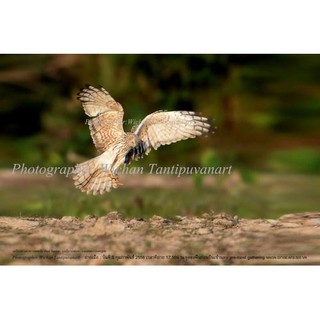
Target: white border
<point x="159" y="292"/>
<point x="143" y="26"/>
<point x="159" y="27"/>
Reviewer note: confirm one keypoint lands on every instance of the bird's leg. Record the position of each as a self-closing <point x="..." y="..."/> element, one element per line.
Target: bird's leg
<point x="115" y="178"/>
<point x="113" y="174"/>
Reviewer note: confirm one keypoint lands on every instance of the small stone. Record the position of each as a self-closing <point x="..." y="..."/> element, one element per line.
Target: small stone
<point x="273" y="222"/>
<point x="90" y="218"/>
<point x="105" y="226"/>
<point x="289" y="225"/>
<point x="312" y="222"/>
<point x="51" y="221"/>
<point x="68" y="219"/>
<point x="224" y="222"/>
<point x="113" y="215"/>
<point x="203" y="231"/>
<point x="156" y="218"/>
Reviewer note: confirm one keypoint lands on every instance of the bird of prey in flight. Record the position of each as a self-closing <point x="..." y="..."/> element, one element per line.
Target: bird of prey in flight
<point x="117" y="147"/>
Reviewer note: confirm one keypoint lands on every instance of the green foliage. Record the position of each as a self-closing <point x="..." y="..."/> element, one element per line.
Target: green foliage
<point x="248" y="175"/>
<point x="197" y="181"/>
<point x="268" y="196"/>
<point x="297" y="160"/>
<point x="210" y="158"/>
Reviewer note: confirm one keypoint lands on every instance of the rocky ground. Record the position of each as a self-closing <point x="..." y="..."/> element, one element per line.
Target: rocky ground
<point x="211" y="239"/>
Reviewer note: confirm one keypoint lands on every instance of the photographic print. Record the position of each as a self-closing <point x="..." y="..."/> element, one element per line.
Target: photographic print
<point x="162" y="159"/>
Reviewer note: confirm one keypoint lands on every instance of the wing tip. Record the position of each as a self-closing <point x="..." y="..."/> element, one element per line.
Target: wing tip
<point x="83" y="90"/>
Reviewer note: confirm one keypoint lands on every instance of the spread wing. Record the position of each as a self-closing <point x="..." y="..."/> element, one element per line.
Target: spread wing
<point x="106" y="124"/>
<point x="161" y="127"/>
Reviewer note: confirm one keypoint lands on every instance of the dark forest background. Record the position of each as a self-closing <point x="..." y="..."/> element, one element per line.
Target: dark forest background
<point x="266" y="109"/>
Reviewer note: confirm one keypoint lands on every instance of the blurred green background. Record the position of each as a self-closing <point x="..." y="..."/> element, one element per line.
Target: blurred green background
<point x="266" y="109"/>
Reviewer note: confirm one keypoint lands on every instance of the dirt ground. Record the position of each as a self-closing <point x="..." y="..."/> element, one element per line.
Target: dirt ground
<point x="211" y="239"/>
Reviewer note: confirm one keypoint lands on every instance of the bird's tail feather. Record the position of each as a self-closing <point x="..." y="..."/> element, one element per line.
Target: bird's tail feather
<point x="93" y="177"/>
